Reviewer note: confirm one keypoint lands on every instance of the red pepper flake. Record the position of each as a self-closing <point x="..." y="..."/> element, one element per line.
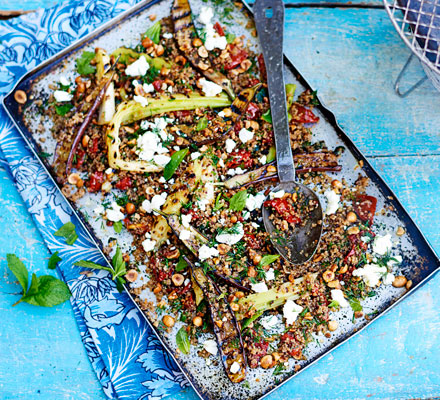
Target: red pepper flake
<point x="94" y="148"/>
<point x="219" y="29"/>
<point x="240" y="157"/>
<point x="237" y="56"/>
<point x="285" y="209"/>
<point x="80" y="157"/>
<point x="303" y="115"/>
<point x="95" y="181"/>
<point x="124" y="183"/>
<point x="365" y="207"/>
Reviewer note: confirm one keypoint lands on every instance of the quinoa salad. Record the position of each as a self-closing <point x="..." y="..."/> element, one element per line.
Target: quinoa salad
<point x="173" y="137"/>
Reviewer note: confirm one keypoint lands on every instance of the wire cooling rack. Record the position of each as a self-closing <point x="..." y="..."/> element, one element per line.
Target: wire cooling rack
<point x="418" y="24"/>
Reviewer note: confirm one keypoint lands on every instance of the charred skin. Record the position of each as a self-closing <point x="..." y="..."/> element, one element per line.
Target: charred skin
<point x="185" y="33"/>
<point x="226" y="328"/>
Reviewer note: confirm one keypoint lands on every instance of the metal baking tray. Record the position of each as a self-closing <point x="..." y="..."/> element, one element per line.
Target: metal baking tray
<point x="419" y="260"/>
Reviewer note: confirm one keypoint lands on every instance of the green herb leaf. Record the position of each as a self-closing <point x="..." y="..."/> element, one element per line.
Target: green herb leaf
<point x="202" y="124"/>
<point x="153" y="32"/>
<point x="271" y="155"/>
<point x="278" y="369"/>
<point x="67" y="231"/>
<point x="182" y="340"/>
<point x="181" y="265"/>
<point x="117" y="226"/>
<point x="333" y="304"/>
<point x="63" y="109"/>
<point x="91" y="265"/>
<point x="248" y="321"/>
<point x="268" y="259"/>
<point x="19" y="270"/>
<point x="230" y="37"/>
<point x="48" y="292"/>
<point x="54" y="260"/>
<point x="355" y="305"/>
<point x="267" y="116"/>
<point x="238" y="201"/>
<point x="174" y="163"/>
<point x="83" y="65"/>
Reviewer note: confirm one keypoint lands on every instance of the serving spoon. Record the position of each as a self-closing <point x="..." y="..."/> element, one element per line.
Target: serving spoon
<point x="299" y="245"/>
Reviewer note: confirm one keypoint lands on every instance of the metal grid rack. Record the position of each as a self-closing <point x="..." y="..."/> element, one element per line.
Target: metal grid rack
<point x="418" y="24"/>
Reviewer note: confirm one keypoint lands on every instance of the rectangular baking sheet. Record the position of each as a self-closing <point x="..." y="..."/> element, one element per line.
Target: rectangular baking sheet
<point x="419" y="260"/>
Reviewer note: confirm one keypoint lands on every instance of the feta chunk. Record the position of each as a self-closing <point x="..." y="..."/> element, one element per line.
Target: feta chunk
<point x="263" y="159"/>
<point x="161" y="159"/>
<point x="138" y="68"/>
<point x="382" y="244"/>
<point x="114" y="213"/>
<point x="332" y="202"/>
<point x="338" y="295"/>
<point x="156" y="202"/>
<point x="64" y="81"/>
<point x="148" y="245"/>
<point x="98" y="210"/>
<point x="259" y="287"/>
<point x="210" y="346"/>
<point x="236" y="171"/>
<point x="231" y="238"/>
<point x="371" y="274"/>
<point x="245" y="135"/>
<point x="195" y="155"/>
<point x="210" y="88"/>
<point x="255" y="202"/>
<point x="277" y="195"/>
<point x="270" y="275"/>
<point x="185" y="234"/>
<point x="141" y="100"/>
<point x="270" y="322"/>
<point x="230" y="145"/>
<point x="62" y="96"/>
<point x="167" y="35"/>
<point x="235" y="367"/>
<point x="206" y="252"/>
<point x="212" y="38"/>
<point x="186" y="219"/>
<point x="291" y="310"/>
<point x="206" y="15"/>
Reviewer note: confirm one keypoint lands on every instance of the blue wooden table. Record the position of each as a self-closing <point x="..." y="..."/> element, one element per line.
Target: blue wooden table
<point x="352" y="55"/>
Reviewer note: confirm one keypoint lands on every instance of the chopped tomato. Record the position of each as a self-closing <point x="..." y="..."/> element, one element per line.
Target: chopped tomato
<point x="157" y="84"/>
<point x="253" y="82"/>
<point x="124" y="183"/>
<point x="80" y="157"/>
<point x="94" y="147"/>
<point x="240" y="157"/>
<point x="285" y="209"/>
<point x="351" y="253"/>
<point x="261" y="348"/>
<point x="237" y="56"/>
<point x="219" y="29"/>
<point x="95" y="181"/>
<point x="365" y="207"/>
<point x="252" y="111"/>
<point x="262" y="66"/>
<point x="304" y="115"/>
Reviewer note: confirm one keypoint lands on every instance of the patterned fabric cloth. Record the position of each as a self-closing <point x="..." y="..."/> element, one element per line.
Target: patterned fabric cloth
<point x="126" y="355"/>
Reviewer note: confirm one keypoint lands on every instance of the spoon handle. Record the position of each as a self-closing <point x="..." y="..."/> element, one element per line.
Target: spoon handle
<point x="269" y="21"/>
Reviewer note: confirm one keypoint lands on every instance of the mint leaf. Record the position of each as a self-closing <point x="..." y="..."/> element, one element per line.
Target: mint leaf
<point x="67" y="231"/>
<point x="54" y="260"/>
<point x="174" y="163"/>
<point x="182" y="340"/>
<point x="117" y="226"/>
<point x="63" y="109"/>
<point x="19" y="270"/>
<point x="83" y="65"/>
<point x="230" y="37"/>
<point x="50" y="292"/>
<point x="153" y="32"/>
<point x="333" y="304"/>
<point x="267" y="116"/>
<point x="271" y="155"/>
<point x="355" y="305"/>
<point x="181" y="265"/>
<point x="268" y="259"/>
<point x="202" y="124"/>
<point x="92" y="265"/>
<point x="238" y="201"/>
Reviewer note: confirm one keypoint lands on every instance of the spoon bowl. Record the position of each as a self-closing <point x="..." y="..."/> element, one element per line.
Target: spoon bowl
<point x="300" y="243"/>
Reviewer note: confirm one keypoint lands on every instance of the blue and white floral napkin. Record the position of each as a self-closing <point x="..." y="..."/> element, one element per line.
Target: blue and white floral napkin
<point x="125" y="354"/>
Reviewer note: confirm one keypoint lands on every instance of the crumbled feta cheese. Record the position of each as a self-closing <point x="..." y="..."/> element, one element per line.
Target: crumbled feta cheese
<point x="162" y="179"/>
<point x="109" y="171"/>
<point x="206" y="252"/>
<point x="388" y="279"/>
<point x="210" y="88"/>
<point x="206" y="196"/>
<point x="338" y="295"/>
<point x="212" y="38"/>
<point x="61" y="96"/>
<point x="210" y="346"/>
<point x="64" y="81"/>
<point x="246" y="215"/>
<point x="277" y="195"/>
<point x="206" y="15"/>
<point x="366" y="239"/>
<point x="235" y="367"/>
<point x="138" y="68"/>
<point x="185" y="234"/>
<point x="269" y="322"/>
<point x="148" y="245"/>
<point x="156" y="202"/>
<point x="167" y="35"/>
<point x="255" y="202"/>
<point x="259" y="287"/>
<point x="291" y="310"/>
<point x="170" y="89"/>
<point x="371" y="274"/>
<point x="177" y="148"/>
<point x="222" y="114"/>
<point x="186" y="219"/>
<point x="231" y="238"/>
<point x="332" y="202"/>
<point x="263" y="159"/>
<point x="382" y="244"/>
<point x="270" y="275"/>
<point x="148" y="87"/>
<point x="230" y="145"/>
<point x="245" y="135"/>
<point x="392" y="262"/>
<point x="99" y="209"/>
<point x="195" y="155"/>
<point x="236" y="171"/>
<point x="114" y="213"/>
<point x="161" y="159"/>
<point x="141" y="100"/>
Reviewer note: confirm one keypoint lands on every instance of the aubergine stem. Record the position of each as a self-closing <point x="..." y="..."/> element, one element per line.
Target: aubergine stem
<point x="194" y="243"/>
<point x="185" y="33"/>
<point x="238" y="108"/>
<point x="226" y="329"/>
<point x="88" y="119"/>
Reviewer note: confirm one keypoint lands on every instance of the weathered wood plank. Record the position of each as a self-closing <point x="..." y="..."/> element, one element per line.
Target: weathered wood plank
<point x="352" y="56"/>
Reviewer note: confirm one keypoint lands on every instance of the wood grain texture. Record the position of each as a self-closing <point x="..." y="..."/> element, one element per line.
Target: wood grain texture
<point x="352" y="57"/>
